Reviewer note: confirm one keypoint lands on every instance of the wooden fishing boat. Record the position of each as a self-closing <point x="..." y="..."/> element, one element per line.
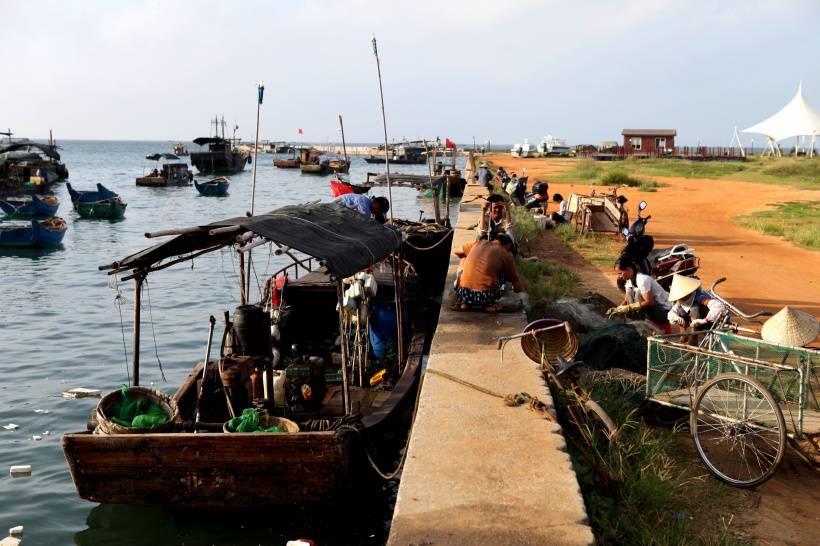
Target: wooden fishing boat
<point x="339" y="165"/>
<point x="216" y="186"/>
<point x="292" y="162"/>
<point x="222" y="156"/>
<point x="35" y="234"/>
<point x="315" y="168"/>
<point x="349" y="407"/>
<point x="102" y="203"/>
<point x="169" y="171"/>
<point x="30" y="207"/>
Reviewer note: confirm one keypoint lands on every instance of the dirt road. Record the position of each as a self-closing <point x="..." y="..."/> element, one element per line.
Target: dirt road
<point x="763" y="272"/>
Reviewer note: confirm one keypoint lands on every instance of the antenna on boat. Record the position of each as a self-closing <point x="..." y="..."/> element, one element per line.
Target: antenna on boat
<point x="384" y="125"/>
<point x="260" y="89"/>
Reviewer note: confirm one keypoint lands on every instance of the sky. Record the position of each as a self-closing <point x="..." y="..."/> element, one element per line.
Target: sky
<point x="501" y="70"/>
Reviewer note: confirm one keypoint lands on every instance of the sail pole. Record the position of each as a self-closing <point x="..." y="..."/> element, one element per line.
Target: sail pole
<point x="260" y="93"/>
<point x="344" y="146"/>
<point x="384" y="126"/>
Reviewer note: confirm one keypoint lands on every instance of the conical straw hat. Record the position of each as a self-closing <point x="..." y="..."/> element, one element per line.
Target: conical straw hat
<point x="682" y="286"/>
<point x="790" y="327"/>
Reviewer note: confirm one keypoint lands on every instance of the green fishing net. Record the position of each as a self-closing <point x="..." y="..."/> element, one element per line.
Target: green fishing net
<point x="249" y="422"/>
<point x="136" y="412"/>
<point x="614" y="345"/>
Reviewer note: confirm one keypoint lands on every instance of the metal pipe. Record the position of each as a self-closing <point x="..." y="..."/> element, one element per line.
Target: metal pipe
<point x="260" y="92"/>
<point x="204" y="369"/>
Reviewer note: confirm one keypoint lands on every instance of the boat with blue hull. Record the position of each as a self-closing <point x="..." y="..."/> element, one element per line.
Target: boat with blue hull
<point x="30" y="207"/>
<point x="215" y="187"/>
<point x="102" y="203"/>
<point x="36" y="234"/>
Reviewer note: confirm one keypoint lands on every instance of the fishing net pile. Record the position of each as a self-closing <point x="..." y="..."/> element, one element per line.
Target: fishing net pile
<point x="249" y="422"/>
<point x="614" y="346"/>
<point x="136" y="412"/>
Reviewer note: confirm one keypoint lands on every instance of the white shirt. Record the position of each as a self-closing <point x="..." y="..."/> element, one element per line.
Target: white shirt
<point x="563" y="209"/>
<point x="644" y="284"/>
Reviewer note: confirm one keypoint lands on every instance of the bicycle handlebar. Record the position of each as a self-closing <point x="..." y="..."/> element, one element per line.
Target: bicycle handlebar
<point x="734" y="309"/>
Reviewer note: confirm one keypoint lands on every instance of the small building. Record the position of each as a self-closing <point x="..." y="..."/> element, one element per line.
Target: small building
<point x="649" y="141"/>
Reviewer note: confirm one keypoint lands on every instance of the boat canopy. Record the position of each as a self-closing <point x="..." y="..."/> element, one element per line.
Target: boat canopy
<point x="157" y="157"/>
<point x="202" y="141"/>
<point x="48" y="150"/>
<point x="345" y="240"/>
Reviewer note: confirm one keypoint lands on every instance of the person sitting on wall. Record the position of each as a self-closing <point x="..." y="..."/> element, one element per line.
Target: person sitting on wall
<point x="502" y="176"/>
<point x="496" y="218"/>
<point x="563" y="215"/>
<point x="376" y="207"/>
<point x="487" y="265"/>
<point x="642" y="293"/>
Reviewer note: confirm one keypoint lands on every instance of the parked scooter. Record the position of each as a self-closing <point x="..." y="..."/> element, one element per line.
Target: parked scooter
<point x="539" y="197"/>
<point x="660" y="263"/>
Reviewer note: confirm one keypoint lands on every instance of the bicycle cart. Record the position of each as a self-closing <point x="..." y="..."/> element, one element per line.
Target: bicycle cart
<point x="746" y="397"/>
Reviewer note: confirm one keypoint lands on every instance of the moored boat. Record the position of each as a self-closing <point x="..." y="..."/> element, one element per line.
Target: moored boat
<point x="102" y="203"/>
<point x="222" y="156"/>
<point x="30" y="207"/>
<point x="36" y="234"/>
<point x="216" y="186"/>
<point x="294" y="356"/>
<point x="169" y="171"/>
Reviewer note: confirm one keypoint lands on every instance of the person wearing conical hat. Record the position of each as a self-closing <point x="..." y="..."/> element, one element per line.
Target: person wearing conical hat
<point x="692" y="308"/>
<point x="791" y="327"/>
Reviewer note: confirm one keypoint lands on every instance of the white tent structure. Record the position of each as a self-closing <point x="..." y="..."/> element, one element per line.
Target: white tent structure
<point x="797" y="119"/>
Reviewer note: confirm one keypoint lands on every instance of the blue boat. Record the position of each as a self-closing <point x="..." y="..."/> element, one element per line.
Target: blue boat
<point x="217" y="186"/>
<point x="102" y="203"/>
<point x="42" y="234"/>
<point x="30" y="207"/>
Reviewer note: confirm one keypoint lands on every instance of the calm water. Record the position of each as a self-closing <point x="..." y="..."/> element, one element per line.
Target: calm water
<point x="60" y="328"/>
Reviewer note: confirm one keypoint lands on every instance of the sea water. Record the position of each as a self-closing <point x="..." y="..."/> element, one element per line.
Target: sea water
<point x="65" y="324"/>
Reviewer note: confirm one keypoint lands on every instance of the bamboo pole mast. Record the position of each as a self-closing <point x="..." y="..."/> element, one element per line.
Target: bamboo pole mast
<point x="260" y="89"/>
<point x="384" y="126"/>
<point x="344" y="146"/>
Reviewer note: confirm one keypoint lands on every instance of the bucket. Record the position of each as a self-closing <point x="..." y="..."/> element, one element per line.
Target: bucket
<point x="106" y="426"/>
<point x="251" y="328"/>
<point x="267" y="421"/>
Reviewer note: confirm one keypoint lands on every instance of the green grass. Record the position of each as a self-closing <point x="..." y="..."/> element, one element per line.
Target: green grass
<point x="525" y="229"/>
<point x="801" y="172"/>
<point x="594" y="172"/>
<point x="797" y="221"/>
<point x="596" y="248"/>
<point x="661" y="497"/>
<point x="544" y="283"/>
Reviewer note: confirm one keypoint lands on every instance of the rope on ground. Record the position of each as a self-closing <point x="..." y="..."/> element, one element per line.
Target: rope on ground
<point x="511" y="400"/>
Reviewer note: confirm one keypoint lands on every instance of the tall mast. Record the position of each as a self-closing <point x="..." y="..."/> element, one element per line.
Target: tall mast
<point x="344" y="146"/>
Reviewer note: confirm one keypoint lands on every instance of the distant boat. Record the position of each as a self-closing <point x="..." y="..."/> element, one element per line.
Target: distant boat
<point x="169" y="171"/>
<point x="179" y="149"/>
<point x="102" y="203"/>
<point x="222" y="157"/>
<point x="339" y="165"/>
<point x="523" y="149"/>
<point x="217" y="186"/>
<point x="310" y="163"/>
<point x="30" y="207"/>
<point x="401" y="155"/>
<point x="37" y="234"/>
<point x="292" y="162"/>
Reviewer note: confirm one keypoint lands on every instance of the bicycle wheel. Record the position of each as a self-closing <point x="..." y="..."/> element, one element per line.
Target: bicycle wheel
<point x="738" y="429"/>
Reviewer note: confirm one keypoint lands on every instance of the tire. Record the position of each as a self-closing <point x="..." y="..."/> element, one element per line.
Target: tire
<point x="741" y="444"/>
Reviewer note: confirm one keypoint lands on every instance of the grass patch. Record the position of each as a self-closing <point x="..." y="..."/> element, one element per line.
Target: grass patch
<point x="525" y="229"/>
<point x="801" y="172"/>
<point x="544" y="283"/>
<point x="797" y="221"/>
<point x="597" y="248"/>
<point x="663" y="498"/>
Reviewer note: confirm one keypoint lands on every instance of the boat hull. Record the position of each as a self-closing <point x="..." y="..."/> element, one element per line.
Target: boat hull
<point x="287" y="163"/>
<point x="209" y="469"/>
<point x="34" y="235"/>
<point x="219" y="162"/>
<point x="36" y="208"/>
<point x="212" y="188"/>
<point x="108" y="209"/>
<point x="314" y="169"/>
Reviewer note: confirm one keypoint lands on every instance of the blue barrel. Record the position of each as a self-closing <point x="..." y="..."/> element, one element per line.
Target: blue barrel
<point x="382" y="328"/>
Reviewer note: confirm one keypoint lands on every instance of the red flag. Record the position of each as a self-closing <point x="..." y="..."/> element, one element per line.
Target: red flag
<point x="340" y="188"/>
<point x="449" y="143"/>
<point x="299" y="131"/>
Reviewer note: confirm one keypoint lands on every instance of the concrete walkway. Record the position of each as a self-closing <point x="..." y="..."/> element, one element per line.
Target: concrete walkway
<point x="478" y="471"/>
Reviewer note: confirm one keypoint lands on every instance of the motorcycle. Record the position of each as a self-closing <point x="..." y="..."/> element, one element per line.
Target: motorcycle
<point x="660" y="263"/>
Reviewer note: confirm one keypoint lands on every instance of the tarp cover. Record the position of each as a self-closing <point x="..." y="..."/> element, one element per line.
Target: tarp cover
<point x="344" y="239"/>
<point x="202" y="141"/>
<point x="157" y="157"/>
<point x="47" y="149"/>
<point x="797" y="118"/>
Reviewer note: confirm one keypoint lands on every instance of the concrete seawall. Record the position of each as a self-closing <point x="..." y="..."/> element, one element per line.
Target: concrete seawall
<point x="478" y="471"/>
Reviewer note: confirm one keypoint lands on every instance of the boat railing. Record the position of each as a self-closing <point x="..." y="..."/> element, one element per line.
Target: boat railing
<point x="292" y="269"/>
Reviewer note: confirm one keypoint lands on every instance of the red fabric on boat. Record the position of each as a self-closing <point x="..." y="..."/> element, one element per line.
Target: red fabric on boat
<point x="340" y="188"/>
<point x="276" y="294"/>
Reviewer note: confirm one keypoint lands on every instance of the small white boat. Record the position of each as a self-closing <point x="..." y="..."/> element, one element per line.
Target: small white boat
<point x="522" y="149"/>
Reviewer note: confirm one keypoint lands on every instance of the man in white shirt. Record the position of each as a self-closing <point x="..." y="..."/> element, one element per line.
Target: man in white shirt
<point x="563" y="215"/>
<point x="643" y="293"/>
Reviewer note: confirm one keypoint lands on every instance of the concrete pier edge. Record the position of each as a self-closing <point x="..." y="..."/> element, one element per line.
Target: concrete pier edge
<point x="478" y="471"/>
